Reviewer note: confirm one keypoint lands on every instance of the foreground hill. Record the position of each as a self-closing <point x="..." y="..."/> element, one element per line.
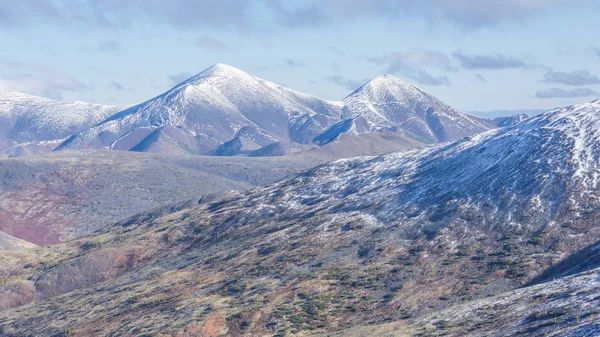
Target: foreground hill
<point x="225" y="111"/>
<point x="352" y="243"/>
<point x="563" y="307"/>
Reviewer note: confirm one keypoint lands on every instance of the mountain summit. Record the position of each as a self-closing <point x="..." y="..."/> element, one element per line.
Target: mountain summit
<point x="388" y="103"/>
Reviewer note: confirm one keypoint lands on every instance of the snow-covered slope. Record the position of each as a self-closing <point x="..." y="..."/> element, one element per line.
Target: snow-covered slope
<point x="223" y="104"/>
<point x="537" y="169"/>
<point x="510" y="120"/>
<point x="25" y="118"/>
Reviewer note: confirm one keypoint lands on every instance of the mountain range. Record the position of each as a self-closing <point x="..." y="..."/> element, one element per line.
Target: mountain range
<point x="453" y="239"/>
<point x="225" y="111"/>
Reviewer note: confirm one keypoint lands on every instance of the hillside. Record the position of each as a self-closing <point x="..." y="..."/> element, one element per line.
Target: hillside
<point x="562" y="307"/>
<point x="50" y="198"/>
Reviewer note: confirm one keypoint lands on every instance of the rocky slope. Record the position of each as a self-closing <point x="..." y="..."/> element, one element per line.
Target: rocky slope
<point x="353" y="243"/>
<point x="566" y="306"/>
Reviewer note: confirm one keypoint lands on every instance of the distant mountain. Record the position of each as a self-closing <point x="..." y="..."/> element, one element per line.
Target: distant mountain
<point x="225" y="111"/>
<point x="503" y="122"/>
<point x="387" y="103"/>
<point x="28" y="119"/>
<point x="219" y="105"/>
<point x="409" y="236"/>
<point x="507" y="113"/>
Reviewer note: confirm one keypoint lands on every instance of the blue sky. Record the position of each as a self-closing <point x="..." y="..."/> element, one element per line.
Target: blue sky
<point x="473" y="54"/>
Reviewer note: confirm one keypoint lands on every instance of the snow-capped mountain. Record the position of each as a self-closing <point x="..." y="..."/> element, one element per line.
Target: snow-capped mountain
<point x="388" y="103"/>
<point x="209" y="109"/>
<point x="226" y="107"/>
<point x="25" y="118"/>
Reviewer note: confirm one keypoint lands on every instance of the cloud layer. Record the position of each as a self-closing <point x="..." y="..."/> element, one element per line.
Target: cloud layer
<point x="211" y="44"/>
<point x="561" y="93"/>
<point x="489" y="62"/>
<point x="236" y="14"/>
<point x="415" y="65"/>
<point x="576" y="78"/>
<point x="345" y="82"/>
<point x="36" y="80"/>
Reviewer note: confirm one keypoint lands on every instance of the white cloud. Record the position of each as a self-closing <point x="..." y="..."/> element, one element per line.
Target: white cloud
<point x="561" y="93"/>
<point x="410" y="65"/>
<point x="241" y="15"/>
<point x="36" y="80"/>
<point x="211" y="44"/>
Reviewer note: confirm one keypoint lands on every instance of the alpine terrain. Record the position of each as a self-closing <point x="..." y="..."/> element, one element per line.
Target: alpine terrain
<point x="225" y="111"/>
<point x="455" y="239"/>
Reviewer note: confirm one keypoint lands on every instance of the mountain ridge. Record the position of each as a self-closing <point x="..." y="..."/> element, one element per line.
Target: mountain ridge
<point x="207" y="110"/>
<point x="27" y="118"/>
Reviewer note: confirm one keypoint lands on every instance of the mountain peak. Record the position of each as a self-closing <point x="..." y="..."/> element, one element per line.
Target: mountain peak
<point x="217" y="71"/>
<point x="387" y="80"/>
<point x="387" y="84"/>
<point x="222" y="67"/>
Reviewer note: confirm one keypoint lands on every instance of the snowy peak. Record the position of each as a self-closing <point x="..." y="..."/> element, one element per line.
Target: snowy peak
<point x="219" y="72"/>
<point x="388" y="103"/>
<point x="209" y="109"/>
<point x="388" y="84"/>
<point x="579" y="126"/>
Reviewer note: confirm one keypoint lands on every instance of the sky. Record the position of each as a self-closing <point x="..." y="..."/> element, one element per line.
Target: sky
<point x="472" y="54"/>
